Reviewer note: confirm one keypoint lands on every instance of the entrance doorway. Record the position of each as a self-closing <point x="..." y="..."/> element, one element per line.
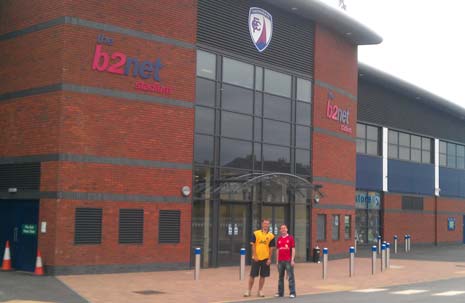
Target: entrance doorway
<point x="277" y="215"/>
<point x="18" y="224"/>
<point x="234" y="232"/>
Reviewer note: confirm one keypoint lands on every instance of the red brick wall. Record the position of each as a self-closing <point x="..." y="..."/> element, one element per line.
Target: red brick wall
<point x="334" y="157"/>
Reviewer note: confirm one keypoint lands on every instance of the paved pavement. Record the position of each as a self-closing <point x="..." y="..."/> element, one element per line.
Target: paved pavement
<point x="223" y="284"/>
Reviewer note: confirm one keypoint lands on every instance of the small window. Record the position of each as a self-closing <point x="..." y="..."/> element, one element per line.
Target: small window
<point x="304" y="90"/>
<point x="321" y="225"/>
<point x="277" y="83"/>
<point x="347" y="227"/>
<point x="169" y="226"/>
<point x="206" y="64"/>
<point x="335" y="227"/>
<point x="131" y="226"/>
<point x="88" y="226"/>
<point x="238" y="73"/>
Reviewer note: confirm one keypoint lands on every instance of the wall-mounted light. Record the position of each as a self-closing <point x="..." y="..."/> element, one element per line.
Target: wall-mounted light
<point x="186" y="191"/>
<point x="317" y="195"/>
<point x="316" y="198"/>
<point x="12" y="190"/>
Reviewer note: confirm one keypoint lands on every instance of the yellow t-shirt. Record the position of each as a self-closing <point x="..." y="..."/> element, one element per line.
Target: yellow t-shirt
<point x="263" y="242"/>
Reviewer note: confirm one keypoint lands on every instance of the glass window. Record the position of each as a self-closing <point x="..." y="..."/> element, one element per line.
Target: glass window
<point x="276" y="132"/>
<point x="415" y="141"/>
<point x="361" y="130"/>
<point x="302" y="136"/>
<point x="335" y="227"/>
<point x="392" y="137"/>
<point x="206" y="65"/>
<point x="302" y="162"/>
<point x="238" y="73"/>
<point x="347" y="227"/>
<point x="277" y="83"/>
<point x="393" y="151"/>
<point x="460" y="162"/>
<point x="321" y="227"/>
<point x="277" y="108"/>
<point x="237" y="99"/>
<point x="303" y="113"/>
<point x="451" y="149"/>
<point x="257" y="129"/>
<point x="236" y="125"/>
<point x="204" y="120"/>
<point x="258" y="104"/>
<point x="426" y="156"/>
<point x="361" y="146"/>
<point x="442" y="147"/>
<point x="235" y="153"/>
<point x="416" y="155"/>
<point x="276" y="158"/>
<point x="372" y="148"/>
<point x="460" y="151"/>
<point x="404" y="139"/>
<point x="404" y="153"/>
<point x="372" y="133"/>
<point x="451" y="161"/>
<point x="205" y="92"/>
<point x="259" y="78"/>
<point x="257" y="156"/>
<point x="203" y="153"/>
<point x="442" y="160"/>
<point x="304" y="90"/>
<point x="425" y="143"/>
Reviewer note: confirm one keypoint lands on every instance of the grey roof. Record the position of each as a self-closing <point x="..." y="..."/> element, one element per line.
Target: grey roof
<point x="369" y="73"/>
<point x="331" y="17"/>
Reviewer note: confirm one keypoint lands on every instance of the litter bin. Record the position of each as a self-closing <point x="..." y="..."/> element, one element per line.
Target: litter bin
<point x="316" y="255"/>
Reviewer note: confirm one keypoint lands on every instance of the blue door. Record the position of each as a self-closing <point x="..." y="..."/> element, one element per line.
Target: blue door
<point x="19" y="225"/>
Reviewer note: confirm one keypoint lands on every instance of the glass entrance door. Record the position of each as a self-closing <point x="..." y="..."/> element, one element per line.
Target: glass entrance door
<point x="277" y="215"/>
<point x="234" y="232"/>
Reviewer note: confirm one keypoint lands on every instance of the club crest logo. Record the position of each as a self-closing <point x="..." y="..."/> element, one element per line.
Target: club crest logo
<point x="260" y="27"/>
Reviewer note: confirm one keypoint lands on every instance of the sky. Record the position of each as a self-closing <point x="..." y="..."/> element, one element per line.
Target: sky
<point x="423" y="42"/>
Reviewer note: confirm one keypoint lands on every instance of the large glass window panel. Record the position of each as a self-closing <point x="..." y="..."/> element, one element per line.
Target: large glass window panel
<point x="304" y="90"/>
<point x="372" y="148"/>
<point x="415" y="155"/>
<point x="361" y="130"/>
<point x="235" y="153"/>
<point x="206" y="65"/>
<point x="372" y="133"/>
<point x="415" y="141"/>
<point x="404" y="139"/>
<point x="303" y="113"/>
<point x="442" y="159"/>
<point x="302" y="136"/>
<point x="425" y="143"/>
<point x="460" y="162"/>
<point x="451" y="149"/>
<point x="258" y="78"/>
<point x="277" y="83"/>
<point x="276" y="132"/>
<point x="426" y="156"/>
<point x="460" y="151"/>
<point x="257" y="150"/>
<point x="238" y="73"/>
<point x="277" y="108"/>
<point x="203" y="153"/>
<point x="393" y="137"/>
<point x="258" y="104"/>
<point x="236" y="125"/>
<point x="404" y="153"/>
<point x="393" y="152"/>
<point x="276" y="158"/>
<point x="204" y="120"/>
<point x="442" y="147"/>
<point x="302" y="162"/>
<point x="451" y="161"/>
<point x="237" y="99"/>
<point x="205" y="92"/>
<point x="257" y="129"/>
<point x="361" y="146"/>
<point x="231" y="188"/>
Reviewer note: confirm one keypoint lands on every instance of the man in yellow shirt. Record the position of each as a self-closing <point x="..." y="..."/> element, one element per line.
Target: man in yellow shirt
<point x="262" y="243"/>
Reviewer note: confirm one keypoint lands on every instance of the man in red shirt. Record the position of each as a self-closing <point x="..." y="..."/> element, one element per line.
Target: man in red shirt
<point x="286" y="254"/>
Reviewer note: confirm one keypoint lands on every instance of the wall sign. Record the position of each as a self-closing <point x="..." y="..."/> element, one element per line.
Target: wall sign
<point x="260" y="27"/>
<point x="450" y="223"/>
<point x="336" y="113"/>
<point x="29" y="229"/>
<point x="121" y="64"/>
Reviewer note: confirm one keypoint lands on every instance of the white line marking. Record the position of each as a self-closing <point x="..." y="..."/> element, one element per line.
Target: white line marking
<point x="449" y="293"/>
<point x="409" y="292"/>
<point x="368" y="290"/>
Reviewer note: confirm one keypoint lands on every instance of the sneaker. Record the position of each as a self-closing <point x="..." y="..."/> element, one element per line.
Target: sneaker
<point x="292" y="296"/>
<point x="260" y="293"/>
<point x="277" y="295"/>
<point x="247" y="294"/>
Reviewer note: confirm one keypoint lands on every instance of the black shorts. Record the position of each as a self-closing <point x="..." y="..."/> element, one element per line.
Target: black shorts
<point x="259" y="267"/>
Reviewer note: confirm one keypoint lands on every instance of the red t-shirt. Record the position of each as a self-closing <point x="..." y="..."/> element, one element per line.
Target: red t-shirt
<point x="284" y="246"/>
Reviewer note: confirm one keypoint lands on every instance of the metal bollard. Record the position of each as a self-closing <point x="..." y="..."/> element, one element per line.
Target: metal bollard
<point x="406" y="243"/>
<point x="352" y="261"/>
<point x="383" y="257"/>
<point x="242" y="268"/>
<point x="395" y="244"/>
<point x="197" y="263"/>
<point x="409" y="242"/>
<point x="373" y="260"/>
<point x="355" y="245"/>
<point x="379" y="244"/>
<point x="388" y="255"/>
<point x="325" y="263"/>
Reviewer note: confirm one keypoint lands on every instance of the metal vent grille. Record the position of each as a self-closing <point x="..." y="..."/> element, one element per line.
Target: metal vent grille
<point x="88" y="226"/>
<point x="412" y="203"/>
<point x="131" y="226"/>
<point x="169" y="226"/>
<point x="223" y="24"/>
<point x="20" y="176"/>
